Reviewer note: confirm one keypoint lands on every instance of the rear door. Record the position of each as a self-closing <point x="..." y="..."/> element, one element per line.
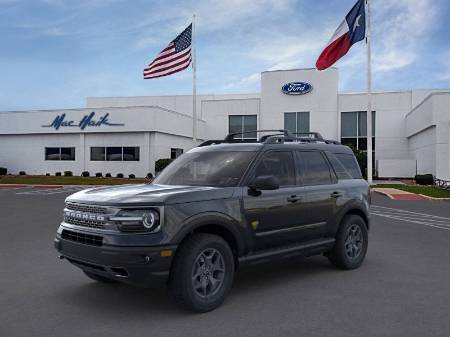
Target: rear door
<point x="322" y="191"/>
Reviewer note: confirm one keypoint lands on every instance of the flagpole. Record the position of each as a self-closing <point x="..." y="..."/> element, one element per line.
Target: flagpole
<point x="369" y="98"/>
<point x="194" y="84"/>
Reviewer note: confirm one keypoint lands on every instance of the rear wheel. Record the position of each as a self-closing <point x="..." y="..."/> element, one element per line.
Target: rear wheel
<point x="351" y="243"/>
<point x="98" y="278"/>
<point x="202" y="272"/>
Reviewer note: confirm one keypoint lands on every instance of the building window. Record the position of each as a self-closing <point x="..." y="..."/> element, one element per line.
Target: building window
<point x="97" y="153"/>
<point x="175" y="153"/>
<point x="131" y="153"/>
<point x="59" y="153"/>
<point x="297" y="122"/>
<point x="354" y="129"/>
<point x="115" y="153"/>
<point x="243" y="123"/>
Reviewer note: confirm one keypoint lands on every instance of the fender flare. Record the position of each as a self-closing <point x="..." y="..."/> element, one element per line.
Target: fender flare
<point x="217" y="219"/>
<point x="357" y="207"/>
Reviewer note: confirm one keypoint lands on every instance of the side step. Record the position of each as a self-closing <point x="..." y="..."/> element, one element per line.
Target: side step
<point x="309" y="248"/>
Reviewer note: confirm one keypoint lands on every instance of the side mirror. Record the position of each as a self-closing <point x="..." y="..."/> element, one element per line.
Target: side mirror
<point x="265" y="183"/>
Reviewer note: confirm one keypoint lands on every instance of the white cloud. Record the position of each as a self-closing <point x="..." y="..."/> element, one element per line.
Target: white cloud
<point x="247" y="82"/>
<point x="400" y="29"/>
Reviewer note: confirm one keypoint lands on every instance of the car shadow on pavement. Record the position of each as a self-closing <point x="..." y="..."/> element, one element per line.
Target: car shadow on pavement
<point x="254" y="280"/>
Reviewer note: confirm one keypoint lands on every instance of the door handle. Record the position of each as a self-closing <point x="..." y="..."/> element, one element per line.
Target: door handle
<point x="294" y="198"/>
<point x="336" y="194"/>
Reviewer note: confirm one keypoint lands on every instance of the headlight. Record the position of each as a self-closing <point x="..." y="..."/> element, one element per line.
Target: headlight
<point x="139" y="220"/>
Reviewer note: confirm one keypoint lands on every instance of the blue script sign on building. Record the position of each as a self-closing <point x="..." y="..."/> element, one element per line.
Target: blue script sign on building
<point x="60" y="121"/>
<point x="296" y="88"/>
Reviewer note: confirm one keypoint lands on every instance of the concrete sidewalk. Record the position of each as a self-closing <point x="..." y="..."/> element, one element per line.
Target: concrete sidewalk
<point x="396" y="194"/>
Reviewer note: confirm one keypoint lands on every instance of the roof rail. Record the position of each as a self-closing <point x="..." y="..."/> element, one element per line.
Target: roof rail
<point x="313" y="135"/>
<point x="278" y="137"/>
<point x="230" y="136"/>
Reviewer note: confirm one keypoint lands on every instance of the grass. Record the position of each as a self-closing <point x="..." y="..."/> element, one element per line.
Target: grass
<point x="53" y="180"/>
<point x="430" y="191"/>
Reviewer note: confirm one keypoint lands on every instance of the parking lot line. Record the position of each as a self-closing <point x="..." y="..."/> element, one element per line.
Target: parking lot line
<point x="50" y="191"/>
<point x="412" y="217"/>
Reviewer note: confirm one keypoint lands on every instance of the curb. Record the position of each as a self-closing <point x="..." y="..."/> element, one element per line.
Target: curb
<point x="31" y="185"/>
<point x="384" y="193"/>
<point x="433" y="198"/>
<point x="427" y="197"/>
<point x="12" y="185"/>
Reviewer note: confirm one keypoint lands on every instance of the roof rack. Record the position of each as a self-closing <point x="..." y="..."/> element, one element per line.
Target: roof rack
<point x="280" y="136"/>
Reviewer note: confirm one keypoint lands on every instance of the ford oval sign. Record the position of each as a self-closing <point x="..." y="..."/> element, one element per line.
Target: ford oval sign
<point x="296" y="88"/>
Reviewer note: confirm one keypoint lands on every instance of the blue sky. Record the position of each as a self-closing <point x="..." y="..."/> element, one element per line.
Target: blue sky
<point x="55" y="53"/>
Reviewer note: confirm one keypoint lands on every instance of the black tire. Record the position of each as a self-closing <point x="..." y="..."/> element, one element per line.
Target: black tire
<point x="187" y="264"/>
<point x="98" y="278"/>
<point x="352" y="234"/>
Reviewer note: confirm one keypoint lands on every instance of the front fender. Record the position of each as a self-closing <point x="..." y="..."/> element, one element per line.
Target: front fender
<point x="213" y="218"/>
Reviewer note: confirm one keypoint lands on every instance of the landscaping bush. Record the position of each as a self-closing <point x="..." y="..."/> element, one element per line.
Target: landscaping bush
<point x="119" y="175"/>
<point x="149" y="176"/>
<point x="58" y="174"/>
<point x="68" y="173"/>
<point x="3" y="171"/>
<point x="47" y="174"/>
<point x="85" y="174"/>
<point x="99" y="175"/>
<point x="161" y="164"/>
<point x="424" y="179"/>
<point x="22" y="173"/>
<point x="131" y="176"/>
<point x="108" y="175"/>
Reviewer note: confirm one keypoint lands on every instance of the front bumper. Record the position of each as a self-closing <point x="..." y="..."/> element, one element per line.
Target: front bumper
<point x="139" y="266"/>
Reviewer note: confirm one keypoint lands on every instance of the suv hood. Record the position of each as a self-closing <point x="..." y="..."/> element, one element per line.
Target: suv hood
<point x="149" y="193"/>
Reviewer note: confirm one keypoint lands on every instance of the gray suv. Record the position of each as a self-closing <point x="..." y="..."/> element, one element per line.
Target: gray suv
<point x="219" y="207"/>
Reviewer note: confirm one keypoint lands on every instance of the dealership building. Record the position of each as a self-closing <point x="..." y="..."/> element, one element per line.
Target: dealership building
<point x="128" y="135"/>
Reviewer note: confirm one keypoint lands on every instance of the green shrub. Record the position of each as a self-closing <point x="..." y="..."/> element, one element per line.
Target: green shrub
<point x="58" y="174"/>
<point x="22" y="173"/>
<point x="85" y="174"/>
<point x="119" y="175"/>
<point x="3" y="171"/>
<point x="99" y="175"/>
<point x="131" y="176"/>
<point x="161" y="164"/>
<point x="68" y="173"/>
<point x="47" y="174"/>
<point x="424" y="179"/>
<point x="108" y="175"/>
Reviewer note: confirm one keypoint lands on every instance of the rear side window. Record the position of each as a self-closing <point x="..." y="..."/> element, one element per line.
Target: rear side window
<point x="315" y="168"/>
<point x="345" y="165"/>
<point x="279" y="164"/>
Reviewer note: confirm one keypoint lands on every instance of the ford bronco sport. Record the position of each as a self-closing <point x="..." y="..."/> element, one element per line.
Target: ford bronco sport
<point x="222" y="205"/>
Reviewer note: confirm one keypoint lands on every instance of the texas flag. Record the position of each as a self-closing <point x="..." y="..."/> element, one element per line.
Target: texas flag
<point x="350" y="31"/>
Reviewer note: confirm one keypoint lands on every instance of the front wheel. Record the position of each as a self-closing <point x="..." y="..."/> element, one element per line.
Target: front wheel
<point x="202" y="272"/>
<point x="351" y="243"/>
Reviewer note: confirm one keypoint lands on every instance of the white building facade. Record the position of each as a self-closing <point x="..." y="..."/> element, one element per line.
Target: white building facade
<point x="129" y="134"/>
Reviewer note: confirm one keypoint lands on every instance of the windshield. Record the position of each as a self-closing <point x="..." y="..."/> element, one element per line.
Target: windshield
<point x="214" y="168"/>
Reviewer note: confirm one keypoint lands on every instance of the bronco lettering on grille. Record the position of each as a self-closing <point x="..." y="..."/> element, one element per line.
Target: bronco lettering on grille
<point x="84" y="216"/>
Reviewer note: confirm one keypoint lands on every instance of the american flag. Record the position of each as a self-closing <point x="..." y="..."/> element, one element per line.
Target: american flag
<point x="172" y="59"/>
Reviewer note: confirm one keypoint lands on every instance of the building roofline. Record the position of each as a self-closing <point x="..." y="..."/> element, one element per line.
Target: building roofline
<point x="106" y="108"/>
<point x="112" y="97"/>
<point x="393" y="91"/>
<point x="293" y="69"/>
<point x="428" y="97"/>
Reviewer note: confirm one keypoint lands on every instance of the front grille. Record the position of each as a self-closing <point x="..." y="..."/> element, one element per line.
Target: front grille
<point x="87" y="239"/>
<point x="86" y="208"/>
<point x="85" y="223"/>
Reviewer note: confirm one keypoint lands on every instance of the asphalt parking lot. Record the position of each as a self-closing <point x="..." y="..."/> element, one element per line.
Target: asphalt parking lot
<point x="402" y="289"/>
